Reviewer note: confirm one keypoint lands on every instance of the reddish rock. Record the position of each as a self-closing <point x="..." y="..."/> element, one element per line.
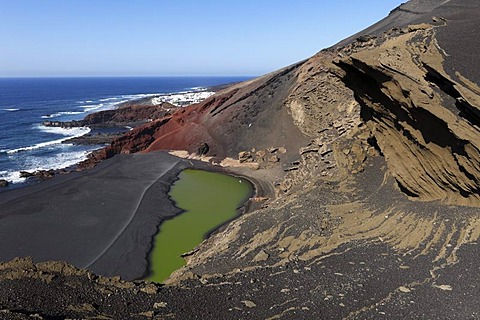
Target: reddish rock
<point x="226" y="122"/>
<point x="130" y="113"/>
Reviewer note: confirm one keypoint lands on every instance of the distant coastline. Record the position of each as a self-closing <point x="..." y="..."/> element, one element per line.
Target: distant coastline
<point x="66" y="130"/>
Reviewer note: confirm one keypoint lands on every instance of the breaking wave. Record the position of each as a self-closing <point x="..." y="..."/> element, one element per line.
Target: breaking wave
<point x="67" y="133"/>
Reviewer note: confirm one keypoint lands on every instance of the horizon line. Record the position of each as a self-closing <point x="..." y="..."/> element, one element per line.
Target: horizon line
<point x="128" y="76"/>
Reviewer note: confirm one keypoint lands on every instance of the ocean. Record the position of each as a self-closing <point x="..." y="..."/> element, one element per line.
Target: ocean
<point x="27" y="145"/>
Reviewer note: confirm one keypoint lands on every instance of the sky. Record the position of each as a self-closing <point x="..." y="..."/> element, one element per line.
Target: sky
<point x="173" y="37"/>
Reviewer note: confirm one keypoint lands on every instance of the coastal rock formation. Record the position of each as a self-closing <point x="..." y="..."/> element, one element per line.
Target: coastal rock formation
<point x="95" y="139"/>
<point x="425" y="123"/>
<point x="368" y="154"/>
<point x="39" y="174"/>
<point x="131" y="113"/>
<point x="135" y="140"/>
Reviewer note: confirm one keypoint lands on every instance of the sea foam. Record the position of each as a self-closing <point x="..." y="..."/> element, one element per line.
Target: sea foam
<point x="91" y="107"/>
<point x="35" y="163"/>
<point x="67" y="133"/>
<point x="11" y="176"/>
<point x="62" y="113"/>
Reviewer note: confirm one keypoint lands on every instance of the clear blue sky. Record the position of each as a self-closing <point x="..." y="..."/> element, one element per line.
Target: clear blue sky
<point x="173" y="37"/>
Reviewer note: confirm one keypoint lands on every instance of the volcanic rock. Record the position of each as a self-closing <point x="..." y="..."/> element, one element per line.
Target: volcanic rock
<point x="127" y="114"/>
<point x="203" y="149"/>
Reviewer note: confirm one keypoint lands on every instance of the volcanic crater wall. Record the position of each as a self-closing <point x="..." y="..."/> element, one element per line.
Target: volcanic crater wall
<point x="426" y="124"/>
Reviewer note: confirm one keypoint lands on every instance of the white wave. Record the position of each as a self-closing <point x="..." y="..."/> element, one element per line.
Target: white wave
<point x="71" y="132"/>
<point x="137" y="95"/>
<point x="91" y="107"/>
<point x="140" y="96"/>
<point x="119" y="102"/>
<point x="59" y="161"/>
<point x="63" y="113"/>
<point x="10" y="109"/>
<point x="67" y="133"/>
<point x="109" y="99"/>
<point x="11" y="176"/>
<point x="198" y="88"/>
<point x="84" y="101"/>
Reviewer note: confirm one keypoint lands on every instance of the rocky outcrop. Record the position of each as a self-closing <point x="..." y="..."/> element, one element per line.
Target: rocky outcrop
<point x="135" y="140"/>
<point x="95" y="139"/>
<point x="39" y="174"/>
<point x="64" y="124"/>
<point x="66" y="289"/>
<point x="132" y="114"/>
<point x="425" y="123"/>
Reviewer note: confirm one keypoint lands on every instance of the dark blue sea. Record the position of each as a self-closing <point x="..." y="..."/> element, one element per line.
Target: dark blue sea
<point x="27" y="145"/>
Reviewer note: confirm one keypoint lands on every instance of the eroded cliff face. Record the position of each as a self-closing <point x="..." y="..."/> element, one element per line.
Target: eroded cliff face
<point x="425" y="123"/>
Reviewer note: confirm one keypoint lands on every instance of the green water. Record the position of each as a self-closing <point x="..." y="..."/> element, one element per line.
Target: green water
<point x="209" y="200"/>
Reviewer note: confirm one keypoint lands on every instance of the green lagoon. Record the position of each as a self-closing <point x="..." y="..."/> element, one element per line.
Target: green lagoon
<point x="208" y="200"/>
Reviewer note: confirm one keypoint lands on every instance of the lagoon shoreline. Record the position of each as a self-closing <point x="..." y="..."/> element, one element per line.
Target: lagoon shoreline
<point x="102" y="219"/>
<point x="63" y="217"/>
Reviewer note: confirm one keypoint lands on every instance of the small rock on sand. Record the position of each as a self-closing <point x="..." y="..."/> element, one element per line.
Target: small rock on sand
<point x="444" y="287"/>
<point x="404" y="289"/>
<point x="249" y="304"/>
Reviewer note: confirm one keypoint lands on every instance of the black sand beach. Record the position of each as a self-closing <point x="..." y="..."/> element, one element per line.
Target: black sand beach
<point x="102" y="219"/>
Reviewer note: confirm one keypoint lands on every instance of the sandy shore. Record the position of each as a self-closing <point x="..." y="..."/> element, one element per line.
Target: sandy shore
<point x="102" y="219"/>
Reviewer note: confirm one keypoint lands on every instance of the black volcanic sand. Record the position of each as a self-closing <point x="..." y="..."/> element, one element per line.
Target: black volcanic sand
<point x="461" y="32"/>
<point x="102" y="220"/>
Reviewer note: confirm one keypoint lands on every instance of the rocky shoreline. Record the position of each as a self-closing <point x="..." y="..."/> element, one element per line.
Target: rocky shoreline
<point x="109" y="126"/>
<point x="131" y="114"/>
